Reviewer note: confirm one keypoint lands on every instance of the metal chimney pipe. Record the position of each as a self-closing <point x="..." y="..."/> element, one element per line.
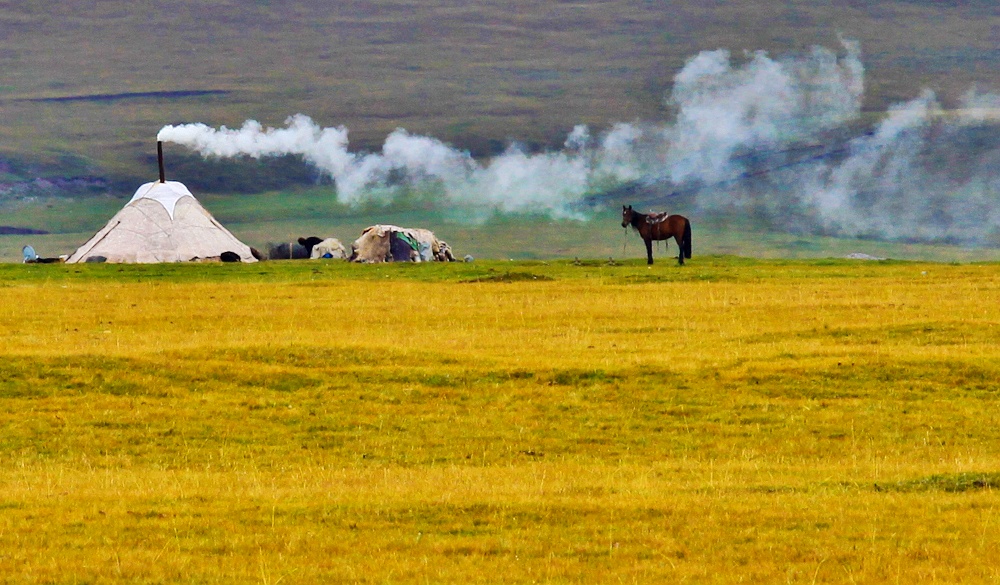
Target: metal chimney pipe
<point x="159" y="158"/>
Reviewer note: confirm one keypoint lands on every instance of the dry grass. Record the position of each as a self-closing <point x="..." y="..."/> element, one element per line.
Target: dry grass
<point x="302" y="422"/>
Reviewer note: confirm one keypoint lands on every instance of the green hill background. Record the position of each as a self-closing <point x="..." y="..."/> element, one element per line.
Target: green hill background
<point x="474" y="74"/>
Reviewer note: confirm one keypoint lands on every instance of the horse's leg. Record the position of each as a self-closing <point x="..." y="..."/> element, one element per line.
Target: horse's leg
<point x="687" y="238"/>
<point x="649" y="250"/>
<point x="680" y="250"/>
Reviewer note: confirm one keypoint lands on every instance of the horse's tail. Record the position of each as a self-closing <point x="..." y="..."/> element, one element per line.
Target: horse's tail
<point x="686" y="246"/>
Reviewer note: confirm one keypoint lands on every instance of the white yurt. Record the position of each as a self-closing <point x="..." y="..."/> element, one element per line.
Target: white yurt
<point x="163" y="222"/>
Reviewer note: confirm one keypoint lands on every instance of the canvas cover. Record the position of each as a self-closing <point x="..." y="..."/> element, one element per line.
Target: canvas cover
<point x="390" y="243"/>
<point x="330" y="248"/>
<point x="163" y="222"/>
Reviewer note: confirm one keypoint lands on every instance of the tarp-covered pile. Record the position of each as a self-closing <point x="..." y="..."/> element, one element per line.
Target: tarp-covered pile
<point x="389" y="243"/>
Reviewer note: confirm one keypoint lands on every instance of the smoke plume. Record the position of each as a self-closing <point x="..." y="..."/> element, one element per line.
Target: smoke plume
<point x="783" y="139"/>
<point x="514" y="181"/>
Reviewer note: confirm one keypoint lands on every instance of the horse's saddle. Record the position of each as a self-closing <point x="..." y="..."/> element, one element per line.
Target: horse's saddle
<point x="656" y="217"/>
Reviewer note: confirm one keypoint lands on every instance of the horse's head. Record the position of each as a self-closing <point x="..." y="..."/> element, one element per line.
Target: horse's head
<point x="626" y="216"/>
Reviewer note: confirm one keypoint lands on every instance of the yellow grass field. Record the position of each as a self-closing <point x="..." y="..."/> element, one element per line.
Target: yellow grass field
<point x="734" y="420"/>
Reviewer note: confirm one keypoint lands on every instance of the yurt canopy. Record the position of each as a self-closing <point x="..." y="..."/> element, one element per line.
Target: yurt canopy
<point x="163" y="222"/>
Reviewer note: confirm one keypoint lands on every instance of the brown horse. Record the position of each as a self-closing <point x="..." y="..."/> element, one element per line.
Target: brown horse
<point x="660" y="226"/>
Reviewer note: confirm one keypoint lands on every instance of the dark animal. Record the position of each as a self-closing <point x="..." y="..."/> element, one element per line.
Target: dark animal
<point x="309" y="243"/>
<point x="286" y="251"/>
<point x="230" y="257"/>
<point x="660" y="226"/>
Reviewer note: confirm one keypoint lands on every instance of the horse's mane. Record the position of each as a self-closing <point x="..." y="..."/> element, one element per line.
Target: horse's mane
<point x="636" y="219"/>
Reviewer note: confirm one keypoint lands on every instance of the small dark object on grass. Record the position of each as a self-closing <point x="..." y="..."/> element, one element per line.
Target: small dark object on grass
<point x="31" y="257"/>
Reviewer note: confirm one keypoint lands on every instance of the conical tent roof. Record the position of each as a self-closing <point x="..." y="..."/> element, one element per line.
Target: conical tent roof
<point x="163" y="222"/>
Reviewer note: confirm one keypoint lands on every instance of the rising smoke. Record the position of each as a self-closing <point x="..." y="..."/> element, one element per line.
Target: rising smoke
<point x="783" y="139"/>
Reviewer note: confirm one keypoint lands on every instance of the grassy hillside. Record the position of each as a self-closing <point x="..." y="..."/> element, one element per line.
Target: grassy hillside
<point x="86" y="86"/>
<point x="765" y="421"/>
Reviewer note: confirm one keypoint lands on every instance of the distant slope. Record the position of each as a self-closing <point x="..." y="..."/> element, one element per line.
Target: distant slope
<point x="475" y="74"/>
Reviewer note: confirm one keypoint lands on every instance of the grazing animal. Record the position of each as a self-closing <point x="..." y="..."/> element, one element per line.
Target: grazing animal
<point x="660" y="226"/>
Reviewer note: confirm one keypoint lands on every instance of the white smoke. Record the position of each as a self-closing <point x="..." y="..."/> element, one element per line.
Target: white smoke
<point x="923" y="173"/>
<point x="723" y="110"/>
<point x="882" y="163"/>
<point x="979" y="108"/>
<point x="514" y="181"/>
<point x="736" y="140"/>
